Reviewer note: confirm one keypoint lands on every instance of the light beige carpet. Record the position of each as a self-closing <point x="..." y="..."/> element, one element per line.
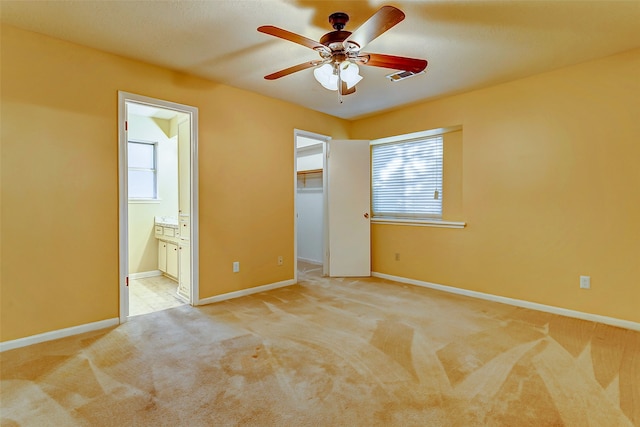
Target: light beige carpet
<point x="342" y="352"/>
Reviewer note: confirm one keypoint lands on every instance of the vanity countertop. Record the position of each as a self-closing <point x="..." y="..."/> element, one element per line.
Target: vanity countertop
<point x="166" y="221"/>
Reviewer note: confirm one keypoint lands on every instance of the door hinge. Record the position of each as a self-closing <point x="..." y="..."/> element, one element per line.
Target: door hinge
<point x="126" y="125"/>
<point x="127" y="280"/>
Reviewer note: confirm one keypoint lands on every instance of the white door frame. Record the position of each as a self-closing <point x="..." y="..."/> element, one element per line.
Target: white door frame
<point x="123" y="199"/>
<point x="325" y="225"/>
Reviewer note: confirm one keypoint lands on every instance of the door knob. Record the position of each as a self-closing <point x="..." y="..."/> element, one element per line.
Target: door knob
<point x="366" y="214"/>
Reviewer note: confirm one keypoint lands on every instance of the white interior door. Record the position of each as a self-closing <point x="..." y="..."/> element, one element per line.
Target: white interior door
<point x="348" y="200"/>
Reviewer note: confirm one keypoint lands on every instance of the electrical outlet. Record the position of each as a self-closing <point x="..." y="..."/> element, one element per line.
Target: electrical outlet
<point x="585" y="282"/>
<point x="397" y="256"/>
<point x="236" y="266"/>
<point x="280" y="260"/>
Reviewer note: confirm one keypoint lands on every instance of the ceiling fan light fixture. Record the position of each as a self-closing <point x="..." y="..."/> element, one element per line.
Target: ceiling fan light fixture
<point x="349" y="73"/>
<point x="327" y="77"/>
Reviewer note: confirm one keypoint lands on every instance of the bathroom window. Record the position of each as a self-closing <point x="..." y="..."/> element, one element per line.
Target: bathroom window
<point x="143" y="173"/>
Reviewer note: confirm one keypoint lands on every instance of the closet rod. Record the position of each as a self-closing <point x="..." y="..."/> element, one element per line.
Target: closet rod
<point x="309" y="171"/>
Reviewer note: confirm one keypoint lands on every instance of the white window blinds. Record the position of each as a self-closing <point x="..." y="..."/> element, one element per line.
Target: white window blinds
<point x="407" y="178"/>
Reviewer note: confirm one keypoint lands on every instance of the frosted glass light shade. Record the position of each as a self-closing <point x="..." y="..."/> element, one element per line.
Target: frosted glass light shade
<point x="349" y="73"/>
<point x="324" y="75"/>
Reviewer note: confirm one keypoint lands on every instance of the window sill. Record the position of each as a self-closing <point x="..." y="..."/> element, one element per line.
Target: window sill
<point x="420" y="222"/>
<point x="145" y="201"/>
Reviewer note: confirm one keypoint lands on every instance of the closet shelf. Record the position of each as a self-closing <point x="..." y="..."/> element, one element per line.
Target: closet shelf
<point x="309" y="171"/>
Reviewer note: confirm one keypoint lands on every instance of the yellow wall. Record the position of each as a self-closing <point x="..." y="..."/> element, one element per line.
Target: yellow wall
<point x="60" y="180"/>
<point x="547" y="179"/>
<point x="550" y="190"/>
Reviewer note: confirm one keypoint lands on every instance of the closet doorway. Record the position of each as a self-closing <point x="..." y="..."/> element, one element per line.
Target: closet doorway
<point x="332" y="185"/>
<point x="311" y="201"/>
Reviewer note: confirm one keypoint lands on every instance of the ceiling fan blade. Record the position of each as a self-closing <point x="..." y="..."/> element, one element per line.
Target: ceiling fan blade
<point x="292" y="70"/>
<point x="395" y="62"/>
<point x="385" y="18"/>
<point x="292" y="37"/>
<point x="346" y="91"/>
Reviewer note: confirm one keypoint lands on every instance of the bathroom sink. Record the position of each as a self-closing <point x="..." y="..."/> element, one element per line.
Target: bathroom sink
<point x="166" y="221"/>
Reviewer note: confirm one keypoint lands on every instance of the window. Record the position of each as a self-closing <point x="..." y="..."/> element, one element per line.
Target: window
<point x="406" y="177"/>
<point x="142" y="170"/>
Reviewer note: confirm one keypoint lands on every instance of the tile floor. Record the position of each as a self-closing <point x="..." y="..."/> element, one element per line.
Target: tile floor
<point x="152" y="294"/>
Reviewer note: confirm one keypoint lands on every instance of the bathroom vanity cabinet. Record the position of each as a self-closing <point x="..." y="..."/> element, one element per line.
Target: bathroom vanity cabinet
<point x="168" y="258"/>
<point x="184" y="276"/>
<point x="184" y="257"/>
<point x="174" y="251"/>
<point x="168" y="240"/>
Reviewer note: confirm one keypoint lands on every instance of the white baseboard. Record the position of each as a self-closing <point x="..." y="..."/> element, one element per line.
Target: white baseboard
<point x="245" y="292"/>
<point x="95" y="326"/>
<point x="145" y="274"/>
<point x="60" y="333"/>
<point x="627" y="324"/>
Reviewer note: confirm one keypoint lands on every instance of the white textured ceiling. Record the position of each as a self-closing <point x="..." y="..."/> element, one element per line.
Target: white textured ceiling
<point x="469" y="44"/>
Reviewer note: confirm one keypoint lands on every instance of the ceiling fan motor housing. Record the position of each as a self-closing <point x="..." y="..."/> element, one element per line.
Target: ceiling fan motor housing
<point x="338" y="20"/>
<point x="334" y="39"/>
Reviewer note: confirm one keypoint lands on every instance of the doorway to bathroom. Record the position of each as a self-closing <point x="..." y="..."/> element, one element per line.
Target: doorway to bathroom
<point x="158" y="205"/>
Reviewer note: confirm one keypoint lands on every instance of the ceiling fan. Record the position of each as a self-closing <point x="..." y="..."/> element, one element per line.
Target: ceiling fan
<point x="340" y="53"/>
